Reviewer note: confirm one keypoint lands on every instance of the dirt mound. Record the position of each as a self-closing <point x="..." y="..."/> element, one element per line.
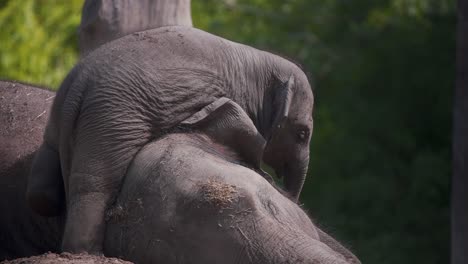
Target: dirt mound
<point x="67" y="258"/>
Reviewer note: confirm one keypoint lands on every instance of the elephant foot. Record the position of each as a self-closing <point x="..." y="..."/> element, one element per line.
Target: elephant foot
<point x="85" y="224"/>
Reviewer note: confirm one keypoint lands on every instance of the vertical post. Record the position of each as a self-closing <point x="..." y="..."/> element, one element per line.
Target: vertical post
<point x="460" y="143"/>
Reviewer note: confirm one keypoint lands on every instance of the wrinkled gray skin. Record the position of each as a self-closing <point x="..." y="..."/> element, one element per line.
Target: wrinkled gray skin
<point x="200" y="204"/>
<point x="137" y="88"/>
<point x="223" y="212"/>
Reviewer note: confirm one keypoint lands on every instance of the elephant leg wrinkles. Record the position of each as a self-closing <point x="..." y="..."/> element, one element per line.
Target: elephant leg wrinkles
<point x="98" y="165"/>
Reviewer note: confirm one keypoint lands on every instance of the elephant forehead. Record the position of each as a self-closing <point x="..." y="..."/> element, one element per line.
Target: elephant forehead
<point x="301" y="118"/>
<point x="303" y="102"/>
<point x="186" y="170"/>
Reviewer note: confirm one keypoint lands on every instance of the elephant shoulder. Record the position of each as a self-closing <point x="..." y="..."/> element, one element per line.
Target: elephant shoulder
<point x="155" y="151"/>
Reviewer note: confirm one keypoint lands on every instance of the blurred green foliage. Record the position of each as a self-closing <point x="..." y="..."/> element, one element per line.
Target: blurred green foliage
<point x="38" y="40"/>
<point x="383" y="74"/>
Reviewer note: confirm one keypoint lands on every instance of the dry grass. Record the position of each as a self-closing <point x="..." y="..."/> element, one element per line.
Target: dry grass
<point x="218" y="193"/>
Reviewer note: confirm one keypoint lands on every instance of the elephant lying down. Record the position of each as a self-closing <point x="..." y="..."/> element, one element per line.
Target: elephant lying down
<point x="188" y="199"/>
<point x="222" y="213"/>
<point x="23" y="116"/>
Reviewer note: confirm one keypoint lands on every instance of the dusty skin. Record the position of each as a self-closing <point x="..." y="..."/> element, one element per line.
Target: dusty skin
<point x="206" y="206"/>
<point x="239" y="214"/>
<point x="24" y="110"/>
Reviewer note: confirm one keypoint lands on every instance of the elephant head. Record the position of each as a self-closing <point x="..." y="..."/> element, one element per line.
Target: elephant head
<point x="291" y="124"/>
<point x="226" y="123"/>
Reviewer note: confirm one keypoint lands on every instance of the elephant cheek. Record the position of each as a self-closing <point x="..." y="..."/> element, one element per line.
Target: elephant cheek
<point x="272" y="157"/>
<point x="278" y="153"/>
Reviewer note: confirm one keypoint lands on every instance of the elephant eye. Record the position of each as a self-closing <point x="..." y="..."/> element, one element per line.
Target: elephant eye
<point x="303" y="135"/>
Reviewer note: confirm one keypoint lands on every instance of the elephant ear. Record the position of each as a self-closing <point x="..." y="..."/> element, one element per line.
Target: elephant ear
<point x="206" y="111"/>
<point x="282" y="104"/>
<point x="226" y="123"/>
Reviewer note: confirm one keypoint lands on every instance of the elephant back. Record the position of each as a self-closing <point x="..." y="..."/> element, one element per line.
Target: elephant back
<point x="23" y="115"/>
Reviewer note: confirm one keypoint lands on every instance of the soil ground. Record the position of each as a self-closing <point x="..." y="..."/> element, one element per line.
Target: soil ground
<point x="67" y="258"/>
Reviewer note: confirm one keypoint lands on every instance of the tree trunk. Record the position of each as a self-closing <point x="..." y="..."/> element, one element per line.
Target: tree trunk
<point x="106" y="20"/>
<point x="460" y="143"/>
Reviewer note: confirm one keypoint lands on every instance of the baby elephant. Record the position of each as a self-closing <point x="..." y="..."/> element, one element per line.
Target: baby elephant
<point x="131" y="91"/>
<point x="187" y="198"/>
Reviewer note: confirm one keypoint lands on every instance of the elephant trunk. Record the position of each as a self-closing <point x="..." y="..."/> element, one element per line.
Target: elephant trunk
<point x="294" y="177"/>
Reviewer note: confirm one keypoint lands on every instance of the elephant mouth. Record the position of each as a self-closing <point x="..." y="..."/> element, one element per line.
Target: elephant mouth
<point x="277" y="174"/>
<point x="273" y="172"/>
<point x="281" y="174"/>
<point x="280" y="171"/>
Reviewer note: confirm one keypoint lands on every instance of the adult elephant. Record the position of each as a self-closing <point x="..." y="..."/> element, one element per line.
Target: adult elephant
<point x="187" y="198"/>
<point x="137" y="88"/>
<point x="23" y="116"/>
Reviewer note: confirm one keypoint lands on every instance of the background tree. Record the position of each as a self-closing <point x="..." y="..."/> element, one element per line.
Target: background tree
<point x="460" y="143"/>
<point x="38" y="40"/>
<point x="105" y="20"/>
<point x="384" y="75"/>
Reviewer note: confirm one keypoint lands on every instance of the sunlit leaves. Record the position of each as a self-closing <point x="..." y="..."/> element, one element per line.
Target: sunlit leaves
<point x="384" y="70"/>
<point x="38" y="40"/>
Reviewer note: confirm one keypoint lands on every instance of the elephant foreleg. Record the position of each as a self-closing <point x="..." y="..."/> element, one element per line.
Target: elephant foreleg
<point x="45" y="192"/>
<point x="88" y="199"/>
<point x="98" y="167"/>
<point x="85" y="226"/>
